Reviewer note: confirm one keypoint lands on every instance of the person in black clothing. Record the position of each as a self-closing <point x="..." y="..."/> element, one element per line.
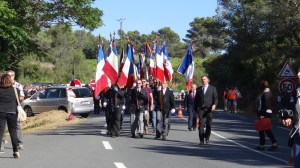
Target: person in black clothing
<point x="205" y="103"/>
<point x="139" y="100"/>
<point x="164" y="106"/>
<point x="107" y="107"/>
<point x="8" y="114"/>
<point x="118" y="104"/>
<point x="265" y="111"/>
<point x="189" y="107"/>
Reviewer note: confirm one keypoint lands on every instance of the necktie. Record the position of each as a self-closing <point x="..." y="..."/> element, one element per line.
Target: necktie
<point x="203" y="90"/>
<point x="193" y="96"/>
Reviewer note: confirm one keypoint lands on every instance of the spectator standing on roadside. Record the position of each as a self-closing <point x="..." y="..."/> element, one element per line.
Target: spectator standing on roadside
<point x="232" y="103"/>
<point x="8" y="112"/>
<point x="71" y="95"/>
<point x="225" y="98"/>
<point x="21" y="94"/>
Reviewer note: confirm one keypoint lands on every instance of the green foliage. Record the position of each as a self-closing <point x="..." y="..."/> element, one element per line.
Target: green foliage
<point x="21" y="20"/>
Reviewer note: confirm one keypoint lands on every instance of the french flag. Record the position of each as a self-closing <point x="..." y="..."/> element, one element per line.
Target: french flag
<point x="101" y="81"/>
<point x="122" y="81"/>
<point x="159" y="65"/>
<point x="187" y="67"/>
<point x="168" y="70"/>
<point x="111" y="64"/>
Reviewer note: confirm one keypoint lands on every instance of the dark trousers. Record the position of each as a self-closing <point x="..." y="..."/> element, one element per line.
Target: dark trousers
<point x="116" y="122"/>
<point x="205" y="119"/>
<point x="297" y="150"/>
<point x="11" y="120"/>
<point x="262" y="139"/>
<point x="192" y="119"/>
<point x="163" y="123"/>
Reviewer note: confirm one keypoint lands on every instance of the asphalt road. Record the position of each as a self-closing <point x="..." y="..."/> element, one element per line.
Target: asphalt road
<point x="87" y="146"/>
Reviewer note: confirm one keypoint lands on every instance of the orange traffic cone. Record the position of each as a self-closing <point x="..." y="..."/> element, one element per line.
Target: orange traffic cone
<point x="179" y="109"/>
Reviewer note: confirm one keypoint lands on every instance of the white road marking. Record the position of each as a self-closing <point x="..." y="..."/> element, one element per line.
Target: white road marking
<point x="107" y="145"/>
<point x="119" y="165"/>
<point x="243" y="146"/>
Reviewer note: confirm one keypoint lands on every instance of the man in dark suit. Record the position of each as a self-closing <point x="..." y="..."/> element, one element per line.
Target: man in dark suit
<point x="139" y="100"/>
<point x="206" y="101"/>
<point x="189" y="107"/>
<point x="164" y="106"/>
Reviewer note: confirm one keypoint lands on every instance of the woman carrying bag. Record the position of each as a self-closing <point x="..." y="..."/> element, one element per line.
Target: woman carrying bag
<point x="8" y="112"/>
<point x="264" y="112"/>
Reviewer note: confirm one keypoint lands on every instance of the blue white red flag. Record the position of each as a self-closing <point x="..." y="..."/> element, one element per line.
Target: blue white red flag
<point x="101" y="81"/>
<point x="111" y="64"/>
<point x="159" y="64"/>
<point x="168" y="70"/>
<point x="187" y="67"/>
<point x="128" y="64"/>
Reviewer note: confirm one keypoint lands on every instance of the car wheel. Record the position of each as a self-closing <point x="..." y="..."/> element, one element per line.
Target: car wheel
<point x="85" y="115"/>
<point x="63" y="109"/>
<point x="28" y="111"/>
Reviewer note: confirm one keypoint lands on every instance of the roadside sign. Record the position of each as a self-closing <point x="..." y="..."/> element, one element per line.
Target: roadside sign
<point x="288" y="85"/>
<point x="75" y="82"/>
<point x="93" y="83"/>
<point x="287" y="71"/>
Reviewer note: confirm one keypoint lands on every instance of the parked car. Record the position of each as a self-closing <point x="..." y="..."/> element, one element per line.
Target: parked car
<point x="55" y="98"/>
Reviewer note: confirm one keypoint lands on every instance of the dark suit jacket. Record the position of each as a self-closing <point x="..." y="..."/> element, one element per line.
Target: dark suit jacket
<point x="189" y="102"/>
<point x="207" y="100"/>
<point x="139" y="98"/>
<point x="165" y="102"/>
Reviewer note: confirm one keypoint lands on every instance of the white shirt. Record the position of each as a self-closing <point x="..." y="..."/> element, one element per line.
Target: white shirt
<point x="17" y="85"/>
<point x="204" y="88"/>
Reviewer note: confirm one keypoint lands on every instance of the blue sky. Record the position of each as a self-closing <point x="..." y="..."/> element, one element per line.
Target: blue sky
<point x="152" y="15"/>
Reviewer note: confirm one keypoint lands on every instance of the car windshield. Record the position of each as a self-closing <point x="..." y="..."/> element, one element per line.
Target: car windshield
<point x="82" y="93"/>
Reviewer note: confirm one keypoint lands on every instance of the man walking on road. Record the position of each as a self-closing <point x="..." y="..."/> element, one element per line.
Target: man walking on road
<point x="165" y="105"/>
<point x="189" y="105"/>
<point x="206" y="101"/>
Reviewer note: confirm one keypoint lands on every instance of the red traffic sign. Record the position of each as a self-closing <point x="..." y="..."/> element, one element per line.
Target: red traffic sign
<point x="75" y="82"/>
<point x="287" y="85"/>
<point x="93" y="83"/>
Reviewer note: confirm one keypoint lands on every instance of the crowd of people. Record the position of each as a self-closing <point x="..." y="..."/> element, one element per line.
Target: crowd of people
<point x="150" y="108"/>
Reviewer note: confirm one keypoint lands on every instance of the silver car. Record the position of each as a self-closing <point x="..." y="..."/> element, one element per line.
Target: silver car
<point x="55" y="98"/>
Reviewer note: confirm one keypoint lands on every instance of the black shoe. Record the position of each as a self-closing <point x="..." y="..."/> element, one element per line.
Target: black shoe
<point x="157" y="137"/>
<point x="201" y="143"/>
<point x="194" y="128"/>
<point x="164" y="138"/>
<point x="190" y="128"/>
<point x="141" y="136"/>
<point x="260" y="148"/>
<point x="133" y="136"/>
<point x="207" y="141"/>
<point x="272" y="148"/>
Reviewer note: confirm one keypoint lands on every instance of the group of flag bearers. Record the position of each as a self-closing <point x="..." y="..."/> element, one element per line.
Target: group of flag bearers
<point x="120" y="86"/>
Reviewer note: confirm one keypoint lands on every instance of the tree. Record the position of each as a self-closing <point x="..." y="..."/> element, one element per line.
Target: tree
<point x="23" y="19"/>
<point x="207" y="34"/>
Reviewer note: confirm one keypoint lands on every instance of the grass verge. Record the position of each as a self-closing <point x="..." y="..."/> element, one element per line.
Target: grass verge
<point x="47" y="121"/>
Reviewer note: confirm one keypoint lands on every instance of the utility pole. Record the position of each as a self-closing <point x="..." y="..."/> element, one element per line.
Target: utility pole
<point x="121" y="21"/>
